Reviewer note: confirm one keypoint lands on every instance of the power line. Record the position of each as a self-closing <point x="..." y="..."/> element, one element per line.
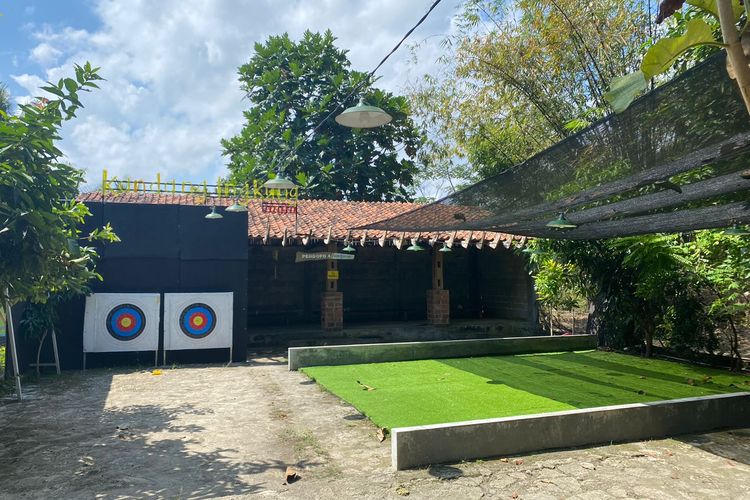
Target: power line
<point x="286" y="159"/>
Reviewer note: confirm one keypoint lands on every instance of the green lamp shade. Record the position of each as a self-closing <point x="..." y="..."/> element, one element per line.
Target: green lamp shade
<point x="348" y="248"/>
<point x="414" y="247"/>
<point x="236" y="207"/>
<point x="363" y="116"/>
<point x="279" y="182"/>
<point x="561" y="222"/>
<point x="446" y="248"/>
<point x="213" y="214"/>
<point x="737" y="231"/>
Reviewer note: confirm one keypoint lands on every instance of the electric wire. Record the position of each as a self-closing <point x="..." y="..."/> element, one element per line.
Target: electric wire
<point x="286" y="159"/>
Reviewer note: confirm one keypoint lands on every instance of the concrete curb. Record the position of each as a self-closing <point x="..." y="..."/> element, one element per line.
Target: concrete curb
<point x="300" y="357"/>
<point x="432" y="444"/>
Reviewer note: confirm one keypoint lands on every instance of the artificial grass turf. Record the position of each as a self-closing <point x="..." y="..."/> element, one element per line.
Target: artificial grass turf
<point x="450" y="390"/>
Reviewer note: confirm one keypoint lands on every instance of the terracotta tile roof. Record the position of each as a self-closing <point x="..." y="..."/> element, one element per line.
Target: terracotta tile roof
<point x="315" y="220"/>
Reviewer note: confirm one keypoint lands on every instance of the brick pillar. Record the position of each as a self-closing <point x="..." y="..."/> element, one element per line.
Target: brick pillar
<point x="438" y="307"/>
<point x="332" y="311"/>
<point x="438" y="299"/>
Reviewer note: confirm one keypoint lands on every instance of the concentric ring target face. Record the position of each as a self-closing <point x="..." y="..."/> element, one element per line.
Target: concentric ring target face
<point x="126" y="322"/>
<point x="197" y="320"/>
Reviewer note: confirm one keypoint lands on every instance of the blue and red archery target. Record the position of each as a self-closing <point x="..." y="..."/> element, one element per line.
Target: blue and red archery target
<point x="197" y="320"/>
<point x="126" y="322"/>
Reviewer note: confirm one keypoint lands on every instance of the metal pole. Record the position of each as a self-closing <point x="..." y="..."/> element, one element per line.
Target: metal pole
<point x="12" y="345"/>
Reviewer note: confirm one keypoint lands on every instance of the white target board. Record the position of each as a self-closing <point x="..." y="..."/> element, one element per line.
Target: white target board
<point x="121" y="322"/>
<point x="197" y="320"/>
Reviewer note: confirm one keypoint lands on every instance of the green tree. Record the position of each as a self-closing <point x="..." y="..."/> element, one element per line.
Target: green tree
<point x="4" y="98"/>
<point x="292" y="87"/>
<point x="40" y="253"/>
<point x="520" y="76"/>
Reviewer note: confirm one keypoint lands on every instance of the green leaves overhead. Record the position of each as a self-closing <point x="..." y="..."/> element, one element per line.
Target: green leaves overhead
<point x="663" y="53"/>
<point x="625" y="89"/>
<point x="38" y="219"/>
<point x="294" y="86"/>
<point x="710" y="6"/>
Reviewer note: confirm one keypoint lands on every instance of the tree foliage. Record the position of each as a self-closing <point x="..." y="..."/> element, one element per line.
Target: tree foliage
<point x="292" y="87"/>
<point x="520" y="76"/>
<point x="40" y="253"/>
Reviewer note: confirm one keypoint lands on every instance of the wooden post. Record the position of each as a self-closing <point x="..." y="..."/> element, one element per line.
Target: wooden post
<point x="437" y="269"/>
<point x="331" y="265"/>
<point x="438" y="299"/>
<point x="12" y="344"/>
<point x="735" y="54"/>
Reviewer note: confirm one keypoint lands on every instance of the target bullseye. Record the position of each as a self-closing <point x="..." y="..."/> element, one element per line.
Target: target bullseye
<point x="197" y="320"/>
<point x="125" y="322"/>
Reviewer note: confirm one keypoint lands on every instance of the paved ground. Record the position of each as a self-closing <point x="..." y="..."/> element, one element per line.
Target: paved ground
<point x="204" y="432"/>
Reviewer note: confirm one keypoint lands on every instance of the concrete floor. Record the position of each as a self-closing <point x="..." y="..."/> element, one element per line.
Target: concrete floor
<point x="210" y="431"/>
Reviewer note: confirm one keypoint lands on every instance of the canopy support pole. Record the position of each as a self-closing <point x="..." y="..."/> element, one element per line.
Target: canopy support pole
<point x="12" y="344"/>
<point x="734" y="48"/>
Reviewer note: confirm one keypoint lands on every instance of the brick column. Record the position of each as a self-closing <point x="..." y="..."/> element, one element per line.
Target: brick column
<point x="332" y="311"/>
<point x="438" y="307"/>
<point x="438" y="299"/>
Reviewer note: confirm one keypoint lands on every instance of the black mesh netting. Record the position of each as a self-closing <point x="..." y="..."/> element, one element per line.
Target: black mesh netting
<point x="676" y="160"/>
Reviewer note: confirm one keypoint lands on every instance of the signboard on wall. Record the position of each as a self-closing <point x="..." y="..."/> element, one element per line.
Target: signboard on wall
<point x="121" y="322"/>
<point x="197" y="320"/>
<point x="318" y="256"/>
<point x="332" y="275"/>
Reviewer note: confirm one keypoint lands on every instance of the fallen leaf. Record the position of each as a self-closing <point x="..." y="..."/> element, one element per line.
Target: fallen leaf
<point x="365" y="387"/>
<point x="690" y="381"/>
<point x="504" y="460"/>
<point x="156" y="372"/>
<point x="401" y="490"/>
<point x="514" y="495"/>
<point x="291" y="475"/>
<point x="381" y="433"/>
<point x="519" y="462"/>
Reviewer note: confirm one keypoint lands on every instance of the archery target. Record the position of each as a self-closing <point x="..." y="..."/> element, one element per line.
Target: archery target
<point x="121" y="322"/>
<point x="197" y="320"/>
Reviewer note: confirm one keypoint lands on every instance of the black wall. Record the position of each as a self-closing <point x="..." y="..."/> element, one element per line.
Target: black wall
<point x="164" y="248"/>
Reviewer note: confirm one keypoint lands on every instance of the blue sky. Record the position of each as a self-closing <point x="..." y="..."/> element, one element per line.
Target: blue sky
<point x="170" y="66"/>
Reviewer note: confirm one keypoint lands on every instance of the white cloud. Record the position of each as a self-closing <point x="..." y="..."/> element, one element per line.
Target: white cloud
<point x="45" y="54"/>
<point x="171" y="90"/>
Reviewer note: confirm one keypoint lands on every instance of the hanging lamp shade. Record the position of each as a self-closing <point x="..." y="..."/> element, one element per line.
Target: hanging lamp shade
<point x="213" y="214"/>
<point x="363" y="116"/>
<point x="561" y="222"/>
<point x="236" y="207"/>
<point x="737" y="231"/>
<point x="446" y="248"/>
<point x="414" y="247"/>
<point x="348" y="248"/>
<point x="279" y="182"/>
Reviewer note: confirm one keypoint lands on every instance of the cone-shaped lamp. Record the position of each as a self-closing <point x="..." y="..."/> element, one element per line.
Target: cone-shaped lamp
<point x="446" y="248"/>
<point x="349" y="248"/>
<point x="213" y="214"/>
<point x="279" y="182"/>
<point x="414" y="247"/>
<point x="363" y="116"/>
<point x="561" y="222"/>
<point x="236" y="207"/>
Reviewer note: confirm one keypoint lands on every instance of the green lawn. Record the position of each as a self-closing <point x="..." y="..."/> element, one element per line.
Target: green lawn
<point x="450" y="390"/>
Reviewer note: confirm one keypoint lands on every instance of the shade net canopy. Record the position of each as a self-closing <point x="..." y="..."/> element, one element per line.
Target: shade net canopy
<point x="678" y="159"/>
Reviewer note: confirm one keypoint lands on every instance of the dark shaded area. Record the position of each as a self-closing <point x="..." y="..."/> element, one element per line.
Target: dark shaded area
<point x="384" y="284"/>
<point x="732" y="445"/>
<point x="164" y="248"/>
<point x="671" y="162"/>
